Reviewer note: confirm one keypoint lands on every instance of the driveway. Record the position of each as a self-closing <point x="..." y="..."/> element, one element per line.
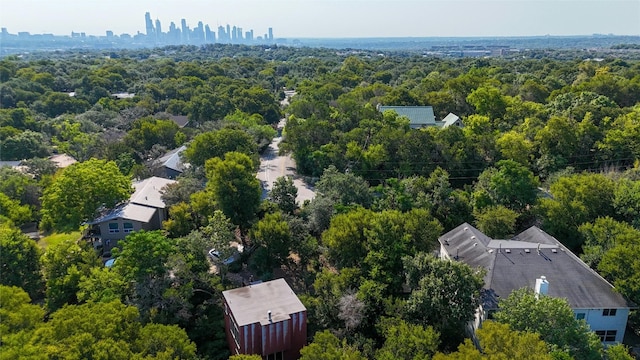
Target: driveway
<point x="273" y="166"/>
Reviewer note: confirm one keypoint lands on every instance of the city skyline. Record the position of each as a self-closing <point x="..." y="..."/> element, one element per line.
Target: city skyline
<point x="331" y="18"/>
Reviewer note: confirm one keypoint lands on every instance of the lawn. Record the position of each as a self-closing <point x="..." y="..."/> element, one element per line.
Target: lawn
<point x="58" y="238"/>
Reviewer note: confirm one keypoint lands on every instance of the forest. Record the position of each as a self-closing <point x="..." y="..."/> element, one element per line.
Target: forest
<point x="552" y="141"/>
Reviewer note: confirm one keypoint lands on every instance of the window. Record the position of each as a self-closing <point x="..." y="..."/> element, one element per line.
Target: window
<point x="276" y="356"/>
<point x="114" y="228"/>
<point x="127" y="227"/>
<point x="609" y="312"/>
<point x="607" y="335"/>
<point x="580" y="316"/>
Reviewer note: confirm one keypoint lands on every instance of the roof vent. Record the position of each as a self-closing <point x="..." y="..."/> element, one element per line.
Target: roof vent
<point x="555" y="251"/>
<point x="490" y="251"/>
<point x="527" y="251"/>
<point x="269" y="315"/>
<point x="473" y="237"/>
<point x="508" y="251"/>
<point x="466" y="228"/>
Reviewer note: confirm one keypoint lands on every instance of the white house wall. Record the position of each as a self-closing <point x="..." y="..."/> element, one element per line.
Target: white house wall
<point x="596" y="320"/>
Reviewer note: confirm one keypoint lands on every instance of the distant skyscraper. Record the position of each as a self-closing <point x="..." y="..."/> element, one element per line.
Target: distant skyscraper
<point x="209" y="36"/>
<point x="185" y="31"/>
<point x="270" y="34"/>
<point x="222" y="35"/>
<point x="158" y="30"/>
<point x="148" y="23"/>
<point x="228" y="33"/>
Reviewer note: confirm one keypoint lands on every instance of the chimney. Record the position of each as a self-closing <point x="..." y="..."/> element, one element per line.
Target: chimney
<point x="269" y="314"/>
<point x="542" y="286"/>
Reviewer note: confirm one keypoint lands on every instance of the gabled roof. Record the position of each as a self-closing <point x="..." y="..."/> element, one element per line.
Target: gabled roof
<point x="251" y="304"/>
<point x="127" y="212"/>
<point x="419" y="116"/>
<point x="518" y="262"/>
<point x="180" y="120"/>
<point x="449" y="120"/>
<point x="147" y="192"/>
<point x="171" y="160"/>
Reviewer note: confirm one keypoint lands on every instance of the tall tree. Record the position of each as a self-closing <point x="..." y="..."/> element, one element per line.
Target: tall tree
<point x="498" y="341"/>
<point x="326" y="346"/>
<point x="445" y="294"/>
<point x="284" y="194"/>
<point x="78" y="191"/>
<point x="64" y="265"/>
<point x="235" y="188"/>
<point x="407" y="341"/>
<point x="217" y="143"/>
<point x="553" y="319"/>
<point x="20" y="261"/>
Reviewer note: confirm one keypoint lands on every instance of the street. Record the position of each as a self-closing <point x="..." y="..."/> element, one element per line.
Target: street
<point x="273" y="166"/>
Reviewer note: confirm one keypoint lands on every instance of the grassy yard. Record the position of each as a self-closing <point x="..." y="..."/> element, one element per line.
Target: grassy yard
<point x="57" y="238"/>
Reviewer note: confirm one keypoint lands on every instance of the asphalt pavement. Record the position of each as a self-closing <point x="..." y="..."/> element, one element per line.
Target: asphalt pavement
<point x="273" y="166"/>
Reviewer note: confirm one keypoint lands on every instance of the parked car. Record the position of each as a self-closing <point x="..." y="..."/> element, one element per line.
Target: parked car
<point x="215" y="256"/>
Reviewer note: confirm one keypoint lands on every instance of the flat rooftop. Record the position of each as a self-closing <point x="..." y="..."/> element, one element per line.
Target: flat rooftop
<point x="251" y="304"/>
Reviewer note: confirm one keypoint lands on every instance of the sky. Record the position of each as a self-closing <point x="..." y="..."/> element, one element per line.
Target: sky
<point x="331" y="18"/>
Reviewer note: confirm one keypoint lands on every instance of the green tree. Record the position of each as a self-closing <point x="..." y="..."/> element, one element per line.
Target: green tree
<point x="498" y="341"/>
<point x="498" y="222"/>
<point x="20" y="261"/>
<point x="77" y="192"/>
<point x="64" y="265"/>
<point x="217" y="143"/>
<point x="284" y="194"/>
<point x="12" y="211"/>
<point x="326" y="346"/>
<point x="509" y="184"/>
<point x="576" y="199"/>
<point x="618" y="352"/>
<point x="626" y="201"/>
<point x="445" y="294"/>
<point x="25" y="145"/>
<point x="17" y="312"/>
<point x="273" y="236"/>
<point x="407" y="341"/>
<point x="235" y="188"/>
<point x="604" y="234"/>
<point x="553" y="319"/>
<point x="344" y="188"/>
<point x="101" y="331"/>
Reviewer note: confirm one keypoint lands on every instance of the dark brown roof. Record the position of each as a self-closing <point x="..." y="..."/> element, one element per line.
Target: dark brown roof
<point x="516" y="263"/>
<point x="251" y="304"/>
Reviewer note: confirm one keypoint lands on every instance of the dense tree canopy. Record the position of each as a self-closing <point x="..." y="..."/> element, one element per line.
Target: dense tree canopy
<point x="79" y="191"/>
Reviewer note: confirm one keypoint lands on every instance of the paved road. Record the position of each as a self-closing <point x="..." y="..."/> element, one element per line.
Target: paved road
<point x="273" y="166"/>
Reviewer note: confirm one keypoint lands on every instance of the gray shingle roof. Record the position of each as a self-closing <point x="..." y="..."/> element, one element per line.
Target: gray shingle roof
<point x="516" y="263"/>
<point x="250" y="304"/>
<point x="172" y="159"/>
<point x="148" y="192"/>
<point x="127" y="212"/>
<point x="419" y="116"/>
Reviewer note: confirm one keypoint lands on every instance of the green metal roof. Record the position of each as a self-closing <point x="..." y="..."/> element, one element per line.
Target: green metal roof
<point x="419" y="116"/>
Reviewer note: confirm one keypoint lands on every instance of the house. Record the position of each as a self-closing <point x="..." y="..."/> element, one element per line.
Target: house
<point x="170" y="165"/>
<point x="180" y="120"/>
<point x="266" y="319"/>
<point x="145" y="210"/>
<point x="419" y="116"/>
<point x="536" y="260"/>
<point x="422" y="116"/>
<point x="451" y="120"/>
<point x="62" y="160"/>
